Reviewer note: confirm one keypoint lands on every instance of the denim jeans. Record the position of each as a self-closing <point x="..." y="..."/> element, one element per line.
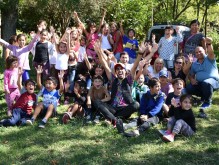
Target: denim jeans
<point x="203" y="89"/>
<point x="71" y="77"/>
<point x="17" y="115"/>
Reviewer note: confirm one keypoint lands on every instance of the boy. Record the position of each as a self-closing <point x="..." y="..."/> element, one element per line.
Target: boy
<point x="48" y="106"/>
<point x="22" y="109"/>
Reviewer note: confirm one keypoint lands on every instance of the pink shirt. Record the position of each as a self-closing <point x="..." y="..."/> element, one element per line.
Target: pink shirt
<point x="94" y="37"/>
<point x="21" y="53"/>
<point x="10" y="79"/>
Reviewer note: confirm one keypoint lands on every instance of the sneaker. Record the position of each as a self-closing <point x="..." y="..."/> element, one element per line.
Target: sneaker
<point x="29" y="122"/>
<point x="169" y="137"/>
<point x="119" y="126"/>
<point x="88" y="119"/>
<point x="202" y="114"/>
<point x="205" y="105"/>
<point x="133" y="133"/>
<point x="65" y="118"/>
<point x="164" y="132"/>
<point x="97" y="120"/>
<point x="42" y="124"/>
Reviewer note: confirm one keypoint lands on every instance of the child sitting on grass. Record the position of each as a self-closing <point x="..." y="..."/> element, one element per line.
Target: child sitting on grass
<point x="166" y="87"/>
<point x="97" y="94"/>
<point x="79" y="94"/>
<point x="48" y="106"/>
<point x="182" y="119"/>
<point x="22" y="109"/>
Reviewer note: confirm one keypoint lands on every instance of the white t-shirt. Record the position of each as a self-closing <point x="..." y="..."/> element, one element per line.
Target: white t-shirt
<point x="62" y="62"/>
<point x="81" y="52"/>
<point x="105" y="44"/>
<point x="152" y="73"/>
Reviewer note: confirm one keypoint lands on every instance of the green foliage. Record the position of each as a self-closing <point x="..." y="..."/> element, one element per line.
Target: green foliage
<point x="215" y="36"/>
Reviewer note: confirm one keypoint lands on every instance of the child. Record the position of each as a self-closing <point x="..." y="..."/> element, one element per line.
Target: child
<point x="138" y="87"/>
<point x="97" y="93"/>
<point x="130" y="43"/>
<point x="150" y="109"/>
<point x="12" y="92"/>
<point x="78" y="107"/>
<point x="42" y="52"/>
<point x="22" y="52"/>
<point x="106" y="38"/>
<point x="182" y="119"/>
<point x="166" y="87"/>
<point x="48" y="106"/>
<point x="22" y="109"/>
<point x="166" y="46"/>
<point x="12" y="41"/>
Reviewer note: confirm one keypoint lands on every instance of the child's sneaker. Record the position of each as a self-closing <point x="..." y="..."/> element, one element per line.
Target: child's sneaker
<point x="88" y="119"/>
<point x="42" y="124"/>
<point x="29" y="122"/>
<point x="133" y="133"/>
<point x="97" y="120"/>
<point x="65" y="118"/>
<point x="164" y="132"/>
<point x="169" y="138"/>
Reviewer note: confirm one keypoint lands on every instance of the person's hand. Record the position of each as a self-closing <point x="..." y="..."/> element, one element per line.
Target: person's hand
<point x="88" y="104"/>
<point x="76" y="91"/>
<point x="20" y="71"/>
<point x="39" y="69"/>
<point x="97" y="46"/>
<point x="175" y="102"/>
<point x="68" y="30"/>
<point x="52" y="30"/>
<point x="133" y="46"/>
<point x="142" y="63"/>
<point x="142" y="48"/>
<point x="75" y="14"/>
<point x="208" y="40"/>
<point x="104" y="11"/>
<point x="7" y="92"/>
<point x="190" y="58"/>
<point x="194" y="81"/>
<point x="177" y="29"/>
<point x="153" y="38"/>
<point x="143" y="118"/>
<point x="61" y="74"/>
<point x="154" y="48"/>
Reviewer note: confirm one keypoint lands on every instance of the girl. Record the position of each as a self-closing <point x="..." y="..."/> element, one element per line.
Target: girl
<point x="130" y="43"/>
<point x="42" y="51"/>
<point x="182" y="119"/>
<point x="106" y="38"/>
<point x="117" y="38"/>
<point x="97" y="93"/>
<point x="12" y="41"/>
<point x="22" y="52"/>
<point x="77" y="109"/>
<point x="166" y="87"/>
<point x="12" y="92"/>
<point x="91" y="34"/>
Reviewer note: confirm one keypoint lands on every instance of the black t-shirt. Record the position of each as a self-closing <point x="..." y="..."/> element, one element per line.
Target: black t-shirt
<point x="41" y="52"/>
<point x="179" y="75"/>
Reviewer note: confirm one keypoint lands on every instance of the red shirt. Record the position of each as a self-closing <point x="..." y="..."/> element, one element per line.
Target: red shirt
<point x="26" y="102"/>
<point x="119" y="48"/>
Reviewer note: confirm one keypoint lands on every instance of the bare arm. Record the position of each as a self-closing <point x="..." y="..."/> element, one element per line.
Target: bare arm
<point x="88" y="64"/>
<point x="121" y="29"/>
<point x="61" y="84"/>
<point x="39" y="70"/>
<point x="118" y="35"/>
<point x="210" y="50"/>
<point x="19" y="82"/>
<point x="102" y="20"/>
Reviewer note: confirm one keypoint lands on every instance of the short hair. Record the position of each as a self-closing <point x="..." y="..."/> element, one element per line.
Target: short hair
<point x="53" y="79"/>
<point x="12" y="39"/>
<point x="29" y="80"/>
<point x="169" y="27"/>
<point x="42" y="21"/>
<point x="131" y="30"/>
<point x="123" y="53"/>
<point x="194" y="21"/>
<point x="97" y="77"/>
<point x="176" y="80"/>
<point x="44" y="30"/>
<point x="152" y="82"/>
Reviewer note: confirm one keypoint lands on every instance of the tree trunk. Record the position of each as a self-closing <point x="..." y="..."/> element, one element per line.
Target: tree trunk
<point x="9" y="14"/>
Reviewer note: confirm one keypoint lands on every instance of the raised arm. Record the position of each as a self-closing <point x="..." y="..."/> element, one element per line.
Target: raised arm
<point x="210" y="50"/>
<point x="121" y="28"/>
<point x="118" y="35"/>
<point x="102" y="20"/>
<point x="88" y="64"/>
<point x="187" y="65"/>
<point x="19" y="81"/>
<point x="39" y="70"/>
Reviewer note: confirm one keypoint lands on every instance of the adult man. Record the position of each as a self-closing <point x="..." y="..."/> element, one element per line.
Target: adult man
<point x="204" y="76"/>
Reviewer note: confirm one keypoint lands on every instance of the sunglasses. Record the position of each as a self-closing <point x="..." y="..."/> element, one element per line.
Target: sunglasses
<point x="177" y="62"/>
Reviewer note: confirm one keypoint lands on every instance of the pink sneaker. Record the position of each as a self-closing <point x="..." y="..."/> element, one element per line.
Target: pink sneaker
<point x="169" y="138"/>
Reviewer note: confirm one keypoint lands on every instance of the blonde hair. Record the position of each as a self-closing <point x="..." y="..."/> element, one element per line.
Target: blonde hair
<point x="155" y="62"/>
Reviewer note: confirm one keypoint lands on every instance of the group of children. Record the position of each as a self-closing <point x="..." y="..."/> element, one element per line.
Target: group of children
<point x="70" y="65"/>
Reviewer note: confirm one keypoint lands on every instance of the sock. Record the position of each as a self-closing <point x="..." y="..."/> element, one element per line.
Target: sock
<point x="44" y="120"/>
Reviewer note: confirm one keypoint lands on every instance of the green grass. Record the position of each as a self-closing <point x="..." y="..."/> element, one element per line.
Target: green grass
<point x="77" y="143"/>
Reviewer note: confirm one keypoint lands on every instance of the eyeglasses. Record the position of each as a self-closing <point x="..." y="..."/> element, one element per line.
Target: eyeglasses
<point x="177" y="62"/>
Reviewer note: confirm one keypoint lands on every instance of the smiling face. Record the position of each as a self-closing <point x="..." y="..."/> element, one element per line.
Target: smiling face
<point x="99" y="71"/>
<point x="194" y="27"/>
<point x="178" y="87"/>
<point x="21" y="41"/>
<point x="158" y="65"/>
<point x="178" y="64"/>
<point x="50" y="85"/>
<point x="186" y="104"/>
<point x="131" y="34"/>
<point x="97" y="83"/>
<point x="155" y="89"/>
<point x="199" y="52"/>
<point x="120" y="72"/>
<point x="141" y="79"/>
<point x="30" y="86"/>
<point x="14" y="65"/>
<point x="43" y="36"/>
<point x="113" y="28"/>
<point x="124" y="58"/>
<point x="62" y="48"/>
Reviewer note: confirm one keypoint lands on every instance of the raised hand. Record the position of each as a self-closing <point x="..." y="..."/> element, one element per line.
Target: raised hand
<point x="153" y="37"/>
<point x="142" y="48"/>
<point x="175" y="102"/>
<point x="68" y="30"/>
<point x="39" y="69"/>
<point x="75" y="14"/>
<point x="154" y="48"/>
<point x="20" y="71"/>
<point x="208" y="40"/>
<point x="177" y="29"/>
<point x="142" y="63"/>
<point x="190" y="58"/>
<point x="61" y="74"/>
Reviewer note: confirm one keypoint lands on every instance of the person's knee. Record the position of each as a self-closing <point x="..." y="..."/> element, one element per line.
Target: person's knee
<point x="135" y="105"/>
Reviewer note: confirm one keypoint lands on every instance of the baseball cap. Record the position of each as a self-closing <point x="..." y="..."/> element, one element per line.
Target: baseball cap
<point x="119" y="65"/>
<point x="163" y="73"/>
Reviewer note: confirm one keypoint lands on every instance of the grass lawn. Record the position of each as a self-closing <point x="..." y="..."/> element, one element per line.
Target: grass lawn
<point x="77" y="143"/>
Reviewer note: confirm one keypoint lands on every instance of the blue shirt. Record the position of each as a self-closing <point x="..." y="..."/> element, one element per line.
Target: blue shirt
<point x="206" y="69"/>
<point x="151" y="105"/>
<point x="128" y="46"/>
<point x="50" y="97"/>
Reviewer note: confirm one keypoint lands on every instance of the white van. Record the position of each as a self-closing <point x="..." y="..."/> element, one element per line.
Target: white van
<point x="158" y="30"/>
